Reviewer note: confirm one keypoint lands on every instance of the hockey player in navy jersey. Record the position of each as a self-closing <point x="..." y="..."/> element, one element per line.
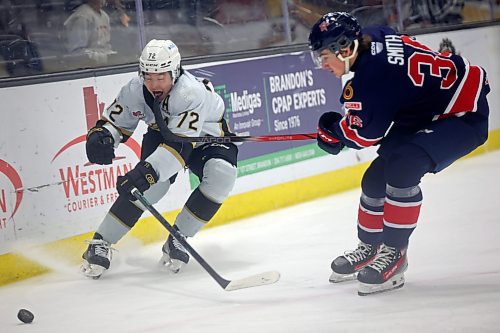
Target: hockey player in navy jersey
<point x="190" y="107"/>
<point x="423" y="109"/>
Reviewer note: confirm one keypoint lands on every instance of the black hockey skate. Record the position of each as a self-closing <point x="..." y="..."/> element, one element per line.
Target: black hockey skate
<point x="174" y="254"/>
<point x="97" y="258"/>
<point x="385" y="273"/>
<point x="345" y="267"/>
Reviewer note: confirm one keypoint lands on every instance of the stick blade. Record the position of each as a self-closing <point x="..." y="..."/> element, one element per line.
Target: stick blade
<point x="254" y="281"/>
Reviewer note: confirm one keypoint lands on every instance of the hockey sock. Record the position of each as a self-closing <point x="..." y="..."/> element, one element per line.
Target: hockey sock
<point x="370" y="219"/>
<point x="197" y="211"/>
<point x="401" y="211"/>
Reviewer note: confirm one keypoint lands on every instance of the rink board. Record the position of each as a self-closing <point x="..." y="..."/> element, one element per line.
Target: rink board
<point x="58" y="216"/>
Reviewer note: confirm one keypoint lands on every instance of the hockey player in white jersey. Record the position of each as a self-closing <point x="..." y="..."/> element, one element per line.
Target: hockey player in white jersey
<point x="190" y="107"/>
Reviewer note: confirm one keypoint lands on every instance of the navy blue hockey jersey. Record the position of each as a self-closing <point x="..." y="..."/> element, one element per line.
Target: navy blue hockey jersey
<point x="403" y="82"/>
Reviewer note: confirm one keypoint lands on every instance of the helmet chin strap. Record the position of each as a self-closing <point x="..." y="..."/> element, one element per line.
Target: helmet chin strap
<point x="347" y="66"/>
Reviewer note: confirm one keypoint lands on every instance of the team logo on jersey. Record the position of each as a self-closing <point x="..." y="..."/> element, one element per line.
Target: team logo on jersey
<point x="376" y="47"/>
<point x="138" y="114"/>
<point x="348" y="91"/>
<point x="353" y="106"/>
<point x="355" y="121"/>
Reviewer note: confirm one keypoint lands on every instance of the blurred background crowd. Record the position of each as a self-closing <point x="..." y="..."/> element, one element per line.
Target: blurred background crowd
<point x="52" y="36"/>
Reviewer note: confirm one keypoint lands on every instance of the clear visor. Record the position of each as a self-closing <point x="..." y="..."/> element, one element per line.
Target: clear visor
<point x="341" y="44"/>
<point x="319" y="59"/>
<point x="316" y="59"/>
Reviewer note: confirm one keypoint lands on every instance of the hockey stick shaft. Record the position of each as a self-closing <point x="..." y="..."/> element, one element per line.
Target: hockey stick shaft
<point x="228" y="285"/>
<point x="262" y="138"/>
<point x="227" y="139"/>
<point x="169" y="136"/>
<point x="39" y="187"/>
<point x="219" y="279"/>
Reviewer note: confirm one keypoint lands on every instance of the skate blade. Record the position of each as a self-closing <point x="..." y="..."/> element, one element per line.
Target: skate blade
<point x="395" y="282"/>
<point x="92" y="271"/>
<point x="171" y="265"/>
<point x="338" y="278"/>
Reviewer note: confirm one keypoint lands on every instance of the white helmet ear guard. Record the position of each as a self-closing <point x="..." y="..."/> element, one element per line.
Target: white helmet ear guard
<point x="347" y="66"/>
<point x="160" y="56"/>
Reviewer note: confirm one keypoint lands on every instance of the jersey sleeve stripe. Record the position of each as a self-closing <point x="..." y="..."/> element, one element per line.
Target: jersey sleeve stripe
<point x="467" y="94"/>
<point x="352" y="135"/>
<point x="467" y="99"/>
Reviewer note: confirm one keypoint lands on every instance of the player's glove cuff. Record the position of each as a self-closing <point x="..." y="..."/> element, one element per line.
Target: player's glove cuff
<point x="140" y="177"/>
<point x="327" y="140"/>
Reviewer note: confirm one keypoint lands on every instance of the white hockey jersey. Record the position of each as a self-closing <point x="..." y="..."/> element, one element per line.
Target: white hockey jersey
<point x="192" y="108"/>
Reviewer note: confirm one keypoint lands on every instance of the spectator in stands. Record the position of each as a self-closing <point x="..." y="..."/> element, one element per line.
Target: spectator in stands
<point x="11" y="19"/>
<point x="19" y="56"/>
<point x="424" y="13"/>
<point x="88" y="32"/>
<point x="438" y="11"/>
<point x="120" y="8"/>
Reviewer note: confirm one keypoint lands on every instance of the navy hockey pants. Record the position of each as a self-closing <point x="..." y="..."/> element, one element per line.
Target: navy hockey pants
<point x="391" y="198"/>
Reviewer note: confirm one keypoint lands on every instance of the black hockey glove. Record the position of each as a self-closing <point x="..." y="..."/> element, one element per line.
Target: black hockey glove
<point x="326" y="138"/>
<point x="99" y="145"/>
<point x="140" y="177"/>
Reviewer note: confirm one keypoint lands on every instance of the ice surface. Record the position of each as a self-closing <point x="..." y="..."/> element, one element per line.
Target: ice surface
<point x="453" y="280"/>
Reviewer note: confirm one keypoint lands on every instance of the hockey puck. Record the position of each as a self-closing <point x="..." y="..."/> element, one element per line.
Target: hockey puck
<point x="25" y="316"/>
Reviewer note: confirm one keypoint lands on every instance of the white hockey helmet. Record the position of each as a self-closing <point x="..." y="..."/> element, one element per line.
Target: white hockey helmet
<point x="160" y="56"/>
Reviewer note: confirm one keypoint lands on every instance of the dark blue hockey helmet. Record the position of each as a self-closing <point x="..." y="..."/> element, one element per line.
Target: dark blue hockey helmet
<point x="334" y="31"/>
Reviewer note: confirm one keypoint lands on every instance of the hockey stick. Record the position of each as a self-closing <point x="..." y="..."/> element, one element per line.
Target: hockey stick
<point x="39" y="187"/>
<point x="227" y="139"/>
<point x="228" y="285"/>
<point x="169" y="136"/>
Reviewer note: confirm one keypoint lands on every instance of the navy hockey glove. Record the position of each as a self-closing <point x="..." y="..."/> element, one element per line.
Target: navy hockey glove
<point x="100" y="145"/>
<point x="140" y="177"/>
<point x="326" y="137"/>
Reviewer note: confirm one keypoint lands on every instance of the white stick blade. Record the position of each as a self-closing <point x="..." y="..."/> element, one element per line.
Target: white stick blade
<point x="254" y="281"/>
